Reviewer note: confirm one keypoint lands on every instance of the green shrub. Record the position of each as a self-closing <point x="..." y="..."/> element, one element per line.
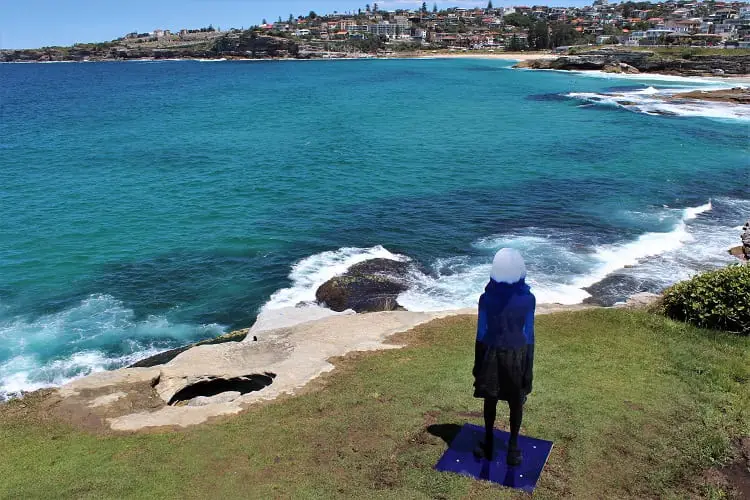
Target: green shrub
<point x="718" y="299"/>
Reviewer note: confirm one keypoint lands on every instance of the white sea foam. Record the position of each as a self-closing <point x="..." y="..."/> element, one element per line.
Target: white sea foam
<point x="559" y="266"/>
<point x="311" y="272"/>
<point x="652" y="101"/>
<point x="559" y="270"/>
<point x="655" y="77"/>
<point x="457" y="283"/>
<point x="692" y="213"/>
<point x="88" y="329"/>
<point x="296" y="304"/>
<point x="25" y="373"/>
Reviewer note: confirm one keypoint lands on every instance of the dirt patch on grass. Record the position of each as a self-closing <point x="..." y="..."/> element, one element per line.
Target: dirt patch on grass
<point x="734" y="478"/>
<point x="47" y="407"/>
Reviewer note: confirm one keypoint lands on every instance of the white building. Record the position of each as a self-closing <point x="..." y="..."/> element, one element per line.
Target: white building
<point x="654" y="35"/>
<point x="635" y="38"/>
<point x="402" y="21"/>
<point x="384" y="29"/>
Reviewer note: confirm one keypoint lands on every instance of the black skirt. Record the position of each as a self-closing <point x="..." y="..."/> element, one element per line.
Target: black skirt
<point x="503" y="374"/>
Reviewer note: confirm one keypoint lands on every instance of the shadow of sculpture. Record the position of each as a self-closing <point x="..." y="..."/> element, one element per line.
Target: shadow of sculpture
<point x="446" y="432"/>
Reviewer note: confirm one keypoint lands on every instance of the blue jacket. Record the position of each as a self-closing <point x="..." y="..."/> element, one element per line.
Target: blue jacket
<point x="506" y="316"/>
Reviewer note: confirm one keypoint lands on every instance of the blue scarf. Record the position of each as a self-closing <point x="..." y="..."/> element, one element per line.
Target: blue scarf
<point x="496" y="299"/>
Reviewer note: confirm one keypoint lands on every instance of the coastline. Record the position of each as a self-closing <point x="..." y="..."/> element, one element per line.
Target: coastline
<point x="287" y="358"/>
<point x="509" y="56"/>
<point x="496" y="74"/>
<point x="521" y="57"/>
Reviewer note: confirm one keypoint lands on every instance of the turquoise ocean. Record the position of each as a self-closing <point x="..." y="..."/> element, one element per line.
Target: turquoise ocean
<point x="145" y="205"/>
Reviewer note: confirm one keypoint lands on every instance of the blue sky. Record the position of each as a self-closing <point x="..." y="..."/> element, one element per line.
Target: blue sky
<point x="37" y="23"/>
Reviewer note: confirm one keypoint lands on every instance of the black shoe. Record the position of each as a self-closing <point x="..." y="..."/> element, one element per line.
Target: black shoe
<point x="483" y="451"/>
<point x="514" y="457"/>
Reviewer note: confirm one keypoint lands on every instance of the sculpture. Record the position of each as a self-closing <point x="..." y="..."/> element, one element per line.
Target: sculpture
<point x="504" y="349"/>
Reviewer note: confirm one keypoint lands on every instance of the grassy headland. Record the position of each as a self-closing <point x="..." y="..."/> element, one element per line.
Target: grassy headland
<point x="638" y="406"/>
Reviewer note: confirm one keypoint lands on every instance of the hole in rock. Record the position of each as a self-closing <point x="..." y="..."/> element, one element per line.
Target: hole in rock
<point x="213" y="386"/>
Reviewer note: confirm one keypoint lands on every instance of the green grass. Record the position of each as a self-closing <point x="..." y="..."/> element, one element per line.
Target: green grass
<point x="637" y="406"/>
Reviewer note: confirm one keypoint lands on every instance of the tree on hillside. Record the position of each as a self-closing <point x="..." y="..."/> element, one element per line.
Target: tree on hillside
<point x="367" y="7"/>
<point x="515" y="44"/>
<point x="264" y="21"/>
<point x="375" y="8"/>
<point x="520" y="20"/>
<point x="563" y="34"/>
<point x="312" y="15"/>
<point x="539" y="38"/>
<point x="424" y="7"/>
<point x="434" y="8"/>
<point x="489" y="5"/>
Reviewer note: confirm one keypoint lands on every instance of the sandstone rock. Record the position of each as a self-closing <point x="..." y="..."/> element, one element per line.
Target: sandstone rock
<point x="619" y="67"/>
<point x="107" y="399"/>
<point x="247" y="44"/>
<point x="165" y="357"/>
<point x="369" y="286"/>
<point x="737" y="95"/>
<point x="224" y="397"/>
<point x="612" y="68"/>
<point x="252" y="44"/>
<point x="742" y="252"/>
<point x="646" y="61"/>
<point x="617" y="288"/>
<point x="640" y="300"/>
<point x="738" y="252"/>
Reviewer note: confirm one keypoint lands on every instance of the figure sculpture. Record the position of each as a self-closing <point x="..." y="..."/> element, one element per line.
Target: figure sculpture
<point x="504" y="351"/>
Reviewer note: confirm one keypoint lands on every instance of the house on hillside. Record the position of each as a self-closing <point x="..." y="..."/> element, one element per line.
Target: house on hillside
<point x="683" y="25"/>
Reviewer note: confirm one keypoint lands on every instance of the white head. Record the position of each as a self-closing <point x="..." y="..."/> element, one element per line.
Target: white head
<point x="508" y="266"/>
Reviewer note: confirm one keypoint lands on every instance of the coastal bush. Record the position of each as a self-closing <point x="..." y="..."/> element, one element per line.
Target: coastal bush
<point x="716" y="299"/>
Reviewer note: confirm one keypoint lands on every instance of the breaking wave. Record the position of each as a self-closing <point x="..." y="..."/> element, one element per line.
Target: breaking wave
<point x="562" y="266"/>
<point x="667" y="102"/>
<point x="309" y="273"/>
<point x="99" y="333"/>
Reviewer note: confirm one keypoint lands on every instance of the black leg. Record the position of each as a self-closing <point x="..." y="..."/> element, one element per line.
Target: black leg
<point x="516" y="417"/>
<point x="490" y="413"/>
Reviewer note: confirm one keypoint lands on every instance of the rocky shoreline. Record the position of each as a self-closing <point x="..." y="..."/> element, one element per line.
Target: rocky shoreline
<point x="247" y="45"/>
<point x="368" y="287"/>
<point x="219" y="377"/>
<point x="737" y="95"/>
<point x="742" y="252"/>
<point x="250" y="46"/>
<point x="644" y="61"/>
<point x="209" y="381"/>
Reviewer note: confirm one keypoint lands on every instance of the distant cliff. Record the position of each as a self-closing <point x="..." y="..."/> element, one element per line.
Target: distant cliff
<point x="243" y="45"/>
<point x="644" y="61"/>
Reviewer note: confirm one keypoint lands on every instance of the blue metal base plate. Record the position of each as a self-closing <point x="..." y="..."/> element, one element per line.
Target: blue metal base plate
<point x="460" y="459"/>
